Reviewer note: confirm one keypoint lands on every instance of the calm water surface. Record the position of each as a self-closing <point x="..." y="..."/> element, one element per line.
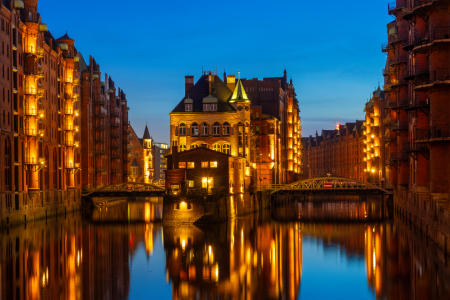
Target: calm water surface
<point x="122" y="252"/>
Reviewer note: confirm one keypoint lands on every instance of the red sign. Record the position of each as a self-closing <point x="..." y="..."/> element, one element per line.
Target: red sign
<point x="327" y="185"/>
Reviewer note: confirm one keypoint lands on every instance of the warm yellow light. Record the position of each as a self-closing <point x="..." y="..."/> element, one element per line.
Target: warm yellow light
<point x="209" y="250"/>
<point x="373" y="170"/>
<point x="372" y="136"/>
<point x="183" y="244"/>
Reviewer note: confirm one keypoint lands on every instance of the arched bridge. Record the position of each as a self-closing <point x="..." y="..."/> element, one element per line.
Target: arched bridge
<point x="326" y="185"/>
<point x="127" y="189"/>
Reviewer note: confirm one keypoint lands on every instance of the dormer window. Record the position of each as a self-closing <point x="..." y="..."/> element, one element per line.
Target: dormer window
<point x="210" y="107"/>
<point x="188" y="107"/>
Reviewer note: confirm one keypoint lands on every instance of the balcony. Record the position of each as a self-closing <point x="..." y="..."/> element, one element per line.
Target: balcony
<point x="69" y="112"/>
<point x="35" y="161"/>
<point x="429" y="39"/>
<point x="70" y="127"/>
<point x="395" y="61"/>
<point x="31" y="112"/>
<point x="437" y="77"/>
<point x="433" y="133"/>
<point x="386" y="47"/>
<point x="68" y="80"/>
<point x="35" y="51"/>
<point x="410" y="146"/>
<point x="115" y="113"/>
<point x="72" y="165"/>
<point x="35" y="132"/>
<point x="397" y="126"/>
<point x="393" y="7"/>
<point x="76" y="81"/>
<point x="398" y="156"/>
<point x="36" y="72"/>
<point x="388" y="71"/>
<point x="71" y="143"/>
<point x="32" y="91"/>
<point x="100" y="170"/>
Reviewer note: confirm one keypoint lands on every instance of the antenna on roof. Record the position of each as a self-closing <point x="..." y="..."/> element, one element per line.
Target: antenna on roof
<point x="239" y="74"/>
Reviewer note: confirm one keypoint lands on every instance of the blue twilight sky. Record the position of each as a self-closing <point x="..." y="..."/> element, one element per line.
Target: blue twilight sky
<point x="331" y="49"/>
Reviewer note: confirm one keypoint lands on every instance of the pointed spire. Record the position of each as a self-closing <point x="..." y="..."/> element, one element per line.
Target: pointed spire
<point x="146" y="133"/>
<point x="239" y="93"/>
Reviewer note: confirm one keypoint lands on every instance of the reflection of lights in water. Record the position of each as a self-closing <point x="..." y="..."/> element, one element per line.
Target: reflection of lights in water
<point x="374" y="261"/>
<point x="209" y="250"/>
<point x="183" y="244"/>
<point x="217" y="272"/>
<point x="78" y="258"/>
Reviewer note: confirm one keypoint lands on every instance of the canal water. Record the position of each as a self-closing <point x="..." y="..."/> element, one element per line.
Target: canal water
<point x="123" y="251"/>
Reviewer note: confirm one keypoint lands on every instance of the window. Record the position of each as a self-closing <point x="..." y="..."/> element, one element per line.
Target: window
<point x="191" y="165"/>
<point x="216" y="147"/>
<point x="257" y="129"/>
<point x="204" y="129"/>
<point x="30" y="16"/>
<point x="213" y="164"/>
<point x="188" y="107"/>
<point x="182" y="165"/>
<point x="207" y="182"/>
<point x="205" y="164"/>
<point x="182" y="129"/>
<point x="210" y="107"/>
<point x="136" y="154"/>
<point x="226" y="148"/>
<point x="226" y="128"/>
<point x="216" y="129"/>
<point x="193" y="146"/>
<point x="194" y="129"/>
<point x="182" y="147"/>
<point x="190" y="183"/>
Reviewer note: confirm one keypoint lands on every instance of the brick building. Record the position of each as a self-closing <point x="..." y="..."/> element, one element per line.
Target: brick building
<point x="140" y="156"/>
<point x="277" y="98"/>
<point x="214" y="115"/>
<point x="39" y="139"/>
<point x="374" y="133"/>
<point x="417" y="87"/>
<point x="205" y="169"/>
<point x="105" y="128"/>
<point x="159" y="162"/>
<point x="337" y="152"/>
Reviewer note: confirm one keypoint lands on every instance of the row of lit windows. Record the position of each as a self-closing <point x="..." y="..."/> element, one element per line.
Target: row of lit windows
<point x="191" y="164"/>
<point x="225" y="148"/>
<point x="205" y="129"/>
<point x="206" y="107"/>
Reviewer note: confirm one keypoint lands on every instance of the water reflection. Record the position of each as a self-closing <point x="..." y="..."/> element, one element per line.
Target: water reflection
<point x="248" y="258"/>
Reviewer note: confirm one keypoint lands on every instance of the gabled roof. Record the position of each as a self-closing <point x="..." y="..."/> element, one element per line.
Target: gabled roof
<point x="200" y="91"/>
<point x="65" y="37"/>
<point x="134" y="163"/>
<point x="146" y="133"/>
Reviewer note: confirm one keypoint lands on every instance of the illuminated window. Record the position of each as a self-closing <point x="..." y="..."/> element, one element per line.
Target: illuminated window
<point x="188" y="107"/>
<point x="226" y="148"/>
<point x="191" y="165"/>
<point x="182" y="147"/>
<point x="207" y="182"/>
<point x="213" y="164"/>
<point x="193" y="146"/>
<point x="205" y="164"/>
<point x="194" y="129"/>
<point x="216" y="147"/>
<point x="190" y="183"/>
<point x="226" y="128"/>
<point x="216" y="129"/>
<point x="182" y="165"/>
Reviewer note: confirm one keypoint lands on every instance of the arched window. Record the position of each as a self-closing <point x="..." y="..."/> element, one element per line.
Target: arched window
<point x="226" y="128"/>
<point x="204" y="129"/>
<point x="55" y="169"/>
<point x="193" y="146"/>
<point x="182" y="129"/>
<point x="216" y="129"/>
<point x="216" y="147"/>
<point x="182" y="147"/>
<point x="30" y="16"/>
<point x="226" y="148"/>
<point x="8" y="178"/>
<point x="194" y="129"/>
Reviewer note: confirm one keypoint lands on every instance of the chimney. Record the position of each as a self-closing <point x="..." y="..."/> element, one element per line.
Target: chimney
<point x="231" y="82"/>
<point x="188" y="84"/>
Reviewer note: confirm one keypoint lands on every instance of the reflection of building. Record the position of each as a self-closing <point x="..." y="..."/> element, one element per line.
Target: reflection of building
<point x="140" y="157"/>
<point x="159" y="162"/>
<point x="337" y="152"/>
<point x="235" y="261"/>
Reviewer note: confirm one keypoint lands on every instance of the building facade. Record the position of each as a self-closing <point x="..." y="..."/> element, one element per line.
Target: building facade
<point x="338" y="152"/>
<point x="215" y="115"/>
<point x="160" y="151"/>
<point x="104" y="126"/>
<point x="39" y="139"/>
<point x="277" y="98"/>
<point x="140" y="156"/>
<point x="417" y="87"/>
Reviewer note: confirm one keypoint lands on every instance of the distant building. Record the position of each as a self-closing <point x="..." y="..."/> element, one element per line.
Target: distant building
<point x="140" y="156"/>
<point x="338" y="152"/>
<point x="160" y="151"/>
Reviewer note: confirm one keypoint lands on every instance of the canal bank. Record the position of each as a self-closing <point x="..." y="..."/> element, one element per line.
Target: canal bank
<point x="428" y="212"/>
<point x="33" y="206"/>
